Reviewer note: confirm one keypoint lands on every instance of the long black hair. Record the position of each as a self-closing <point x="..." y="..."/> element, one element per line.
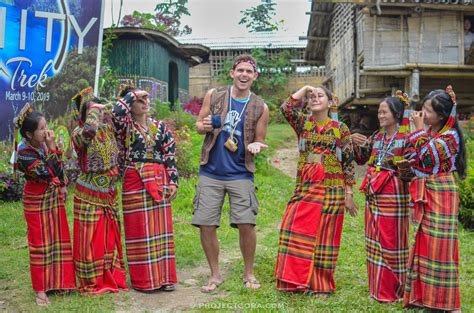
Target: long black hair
<point x="396" y="106"/>
<point x="30" y="123"/>
<point x="442" y="104"/>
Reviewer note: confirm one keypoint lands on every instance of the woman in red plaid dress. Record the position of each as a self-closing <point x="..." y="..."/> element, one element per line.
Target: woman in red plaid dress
<point x="435" y="154"/>
<point x="386" y="211"/>
<point x="44" y="194"/>
<point x="150" y="183"/>
<point x="311" y="229"/>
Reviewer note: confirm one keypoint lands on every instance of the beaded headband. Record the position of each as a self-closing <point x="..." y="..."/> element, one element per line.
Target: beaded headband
<point x="85" y="95"/>
<point x="20" y="118"/>
<point x="402" y="96"/>
<point x="127" y="84"/>
<point x="449" y="90"/>
<point x="250" y="61"/>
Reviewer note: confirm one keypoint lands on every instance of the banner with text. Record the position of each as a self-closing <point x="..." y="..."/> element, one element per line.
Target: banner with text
<point x="49" y="50"/>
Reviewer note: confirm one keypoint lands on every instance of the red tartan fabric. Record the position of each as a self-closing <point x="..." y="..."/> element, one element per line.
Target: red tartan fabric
<point x="433" y="273"/>
<point x="310" y="235"/>
<point x="98" y="256"/>
<point x="148" y="229"/>
<point x="386" y="234"/>
<point x="49" y="244"/>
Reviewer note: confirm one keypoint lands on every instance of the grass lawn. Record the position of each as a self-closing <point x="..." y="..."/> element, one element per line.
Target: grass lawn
<point x="274" y="190"/>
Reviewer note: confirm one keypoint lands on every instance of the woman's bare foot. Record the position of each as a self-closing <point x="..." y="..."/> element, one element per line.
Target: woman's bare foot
<point x="42" y="299"/>
<point x="322" y="295"/>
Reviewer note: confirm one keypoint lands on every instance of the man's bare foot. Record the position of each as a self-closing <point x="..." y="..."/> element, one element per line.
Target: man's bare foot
<point x="42" y="299"/>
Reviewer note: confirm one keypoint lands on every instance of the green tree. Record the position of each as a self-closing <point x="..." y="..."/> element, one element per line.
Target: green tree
<point x="260" y="18"/>
<point x="176" y="8"/>
<point x="273" y="75"/>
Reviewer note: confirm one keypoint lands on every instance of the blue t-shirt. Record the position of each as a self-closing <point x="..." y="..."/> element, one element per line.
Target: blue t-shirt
<point x="224" y="164"/>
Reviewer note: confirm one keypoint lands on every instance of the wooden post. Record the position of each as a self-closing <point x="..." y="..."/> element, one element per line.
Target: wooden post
<point x="420" y="38"/>
<point x="415" y="84"/>
<point x="461" y="39"/>
<point x="374" y="32"/>
<point x="401" y="39"/>
<point x="439" y="38"/>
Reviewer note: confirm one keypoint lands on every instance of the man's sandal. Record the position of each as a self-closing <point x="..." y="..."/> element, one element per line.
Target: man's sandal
<point x="252" y="283"/>
<point x="210" y="286"/>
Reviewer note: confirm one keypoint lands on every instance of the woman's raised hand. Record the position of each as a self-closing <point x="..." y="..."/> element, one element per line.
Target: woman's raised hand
<point x="50" y="139"/>
<point x="303" y="91"/>
<point x="417" y="119"/>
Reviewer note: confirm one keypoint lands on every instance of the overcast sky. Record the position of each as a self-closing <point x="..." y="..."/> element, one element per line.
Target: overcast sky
<point x="218" y="18"/>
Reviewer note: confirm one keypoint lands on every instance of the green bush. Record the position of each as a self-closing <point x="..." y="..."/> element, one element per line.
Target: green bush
<point x="466" y="192"/>
<point x="162" y="110"/>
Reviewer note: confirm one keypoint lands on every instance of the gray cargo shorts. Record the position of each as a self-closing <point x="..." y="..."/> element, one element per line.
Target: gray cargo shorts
<point x="209" y="199"/>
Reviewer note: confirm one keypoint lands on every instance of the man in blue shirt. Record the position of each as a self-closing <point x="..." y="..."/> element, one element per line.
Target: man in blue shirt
<point x="234" y="121"/>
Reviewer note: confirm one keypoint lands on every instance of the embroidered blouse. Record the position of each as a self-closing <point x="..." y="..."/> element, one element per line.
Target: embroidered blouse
<point x="380" y="148"/>
<point x="152" y="145"/>
<point x="315" y="140"/>
<point x="42" y="165"/>
<point x="433" y="155"/>
<point x="95" y="145"/>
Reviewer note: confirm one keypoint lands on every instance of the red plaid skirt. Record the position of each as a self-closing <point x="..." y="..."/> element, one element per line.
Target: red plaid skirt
<point x="49" y="243"/>
<point x="433" y="272"/>
<point x="310" y="235"/>
<point x="148" y="228"/>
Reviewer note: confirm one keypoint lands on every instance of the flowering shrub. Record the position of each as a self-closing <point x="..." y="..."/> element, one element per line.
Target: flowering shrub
<point x="10" y="190"/>
<point x="157" y="21"/>
<point x="184" y="153"/>
<point x="193" y="106"/>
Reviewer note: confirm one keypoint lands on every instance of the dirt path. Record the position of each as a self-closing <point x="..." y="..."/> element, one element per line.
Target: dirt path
<point x="187" y="295"/>
<point x="285" y="160"/>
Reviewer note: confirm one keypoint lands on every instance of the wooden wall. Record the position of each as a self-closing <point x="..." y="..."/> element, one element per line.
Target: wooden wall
<point x="340" y="60"/>
<point x="430" y="37"/>
<point x="384" y="40"/>
<point x="435" y="37"/>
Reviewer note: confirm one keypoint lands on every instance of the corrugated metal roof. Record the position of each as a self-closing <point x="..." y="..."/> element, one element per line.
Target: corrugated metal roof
<point x="267" y="40"/>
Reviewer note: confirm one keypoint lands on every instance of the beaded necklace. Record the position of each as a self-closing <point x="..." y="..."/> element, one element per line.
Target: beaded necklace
<point x="382" y="152"/>
<point x="148" y="132"/>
